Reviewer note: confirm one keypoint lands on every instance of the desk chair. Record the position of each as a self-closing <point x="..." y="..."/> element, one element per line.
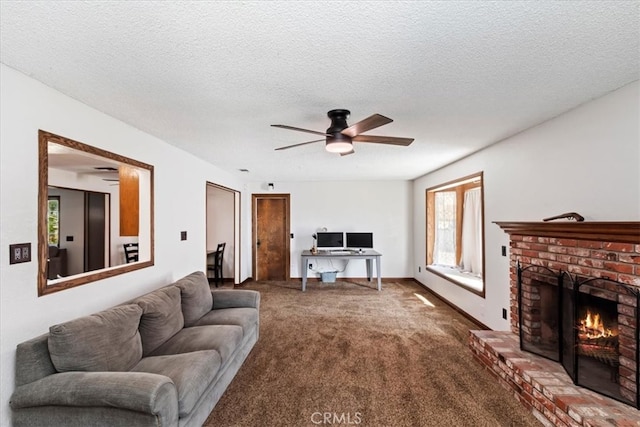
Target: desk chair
<point x="130" y="252"/>
<point x="216" y="267"/>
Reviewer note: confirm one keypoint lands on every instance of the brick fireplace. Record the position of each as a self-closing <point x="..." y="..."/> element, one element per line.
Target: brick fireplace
<point x="587" y="264"/>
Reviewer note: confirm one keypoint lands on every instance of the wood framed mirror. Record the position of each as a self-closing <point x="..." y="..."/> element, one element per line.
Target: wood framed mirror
<point x="103" y="202"/>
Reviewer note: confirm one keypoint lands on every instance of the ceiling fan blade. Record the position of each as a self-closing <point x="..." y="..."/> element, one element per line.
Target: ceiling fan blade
<point x="300" y="130"/>
<point x="298" y="145"/>
<point x="383" y="139"/>
<point x="346" y="154"/>
<point x="369" y="123"/>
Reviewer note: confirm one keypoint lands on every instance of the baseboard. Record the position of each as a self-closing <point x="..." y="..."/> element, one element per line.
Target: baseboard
<point x="452" y="305"/>
<point x="384" y="279"/>
<point x="317" y="279"/>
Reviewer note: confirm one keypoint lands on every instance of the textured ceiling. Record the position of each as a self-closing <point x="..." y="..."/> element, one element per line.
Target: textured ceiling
<point x="210" y="77"/>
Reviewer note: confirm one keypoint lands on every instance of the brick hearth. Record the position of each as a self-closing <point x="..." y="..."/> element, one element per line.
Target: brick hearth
<point x="544" y="387"/>
<point x="586" y="249"/>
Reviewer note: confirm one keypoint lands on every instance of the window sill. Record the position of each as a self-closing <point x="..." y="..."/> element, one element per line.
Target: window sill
<point x="463" y="279"/>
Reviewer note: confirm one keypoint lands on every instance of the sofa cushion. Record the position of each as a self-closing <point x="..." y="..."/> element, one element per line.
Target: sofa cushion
<point x="192" y="373"/>
<point x="161" y="317"/>
<point x="245" y="317"/>
<point x="196" y="297"/>
<point x="105" y="341"/>
<point x="222" y="338"/>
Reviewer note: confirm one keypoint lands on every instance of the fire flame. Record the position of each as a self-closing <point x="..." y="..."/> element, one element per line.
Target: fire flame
<point x="593" y="327"/>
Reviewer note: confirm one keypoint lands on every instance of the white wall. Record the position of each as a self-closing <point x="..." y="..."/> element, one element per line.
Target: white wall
<point x="180" y="178"/>
<point x="585" y="161"/>
<point x="381" y="207"/>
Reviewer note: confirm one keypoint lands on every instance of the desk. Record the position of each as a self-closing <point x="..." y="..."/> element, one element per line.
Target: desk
<point x="368" y="255"/>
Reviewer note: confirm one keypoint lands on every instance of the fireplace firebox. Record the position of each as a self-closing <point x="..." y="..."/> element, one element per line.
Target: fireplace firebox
<point x="589" y="325"/>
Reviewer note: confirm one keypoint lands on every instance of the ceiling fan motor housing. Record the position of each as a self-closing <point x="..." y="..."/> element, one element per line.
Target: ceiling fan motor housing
<point x="338" y="121"/>
<point x="338" y="142"/>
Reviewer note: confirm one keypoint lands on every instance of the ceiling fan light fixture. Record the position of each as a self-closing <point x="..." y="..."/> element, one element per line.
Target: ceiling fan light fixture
<point x="339" y="143"/>
<point x="339" y="147"/>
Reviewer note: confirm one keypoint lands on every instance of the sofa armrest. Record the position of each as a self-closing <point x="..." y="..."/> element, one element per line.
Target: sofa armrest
<point x="136" y="391"/>
<point x="233" y="298"/>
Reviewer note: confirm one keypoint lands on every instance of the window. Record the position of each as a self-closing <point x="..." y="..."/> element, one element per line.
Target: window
<point x="445" y="232"/>
<point x="53" y="220"/>
<point x="455" y="232"/>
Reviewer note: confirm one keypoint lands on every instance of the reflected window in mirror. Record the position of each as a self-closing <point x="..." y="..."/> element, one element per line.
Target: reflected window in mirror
<point x="53" y="220"/>
<point x="92" y="203"/>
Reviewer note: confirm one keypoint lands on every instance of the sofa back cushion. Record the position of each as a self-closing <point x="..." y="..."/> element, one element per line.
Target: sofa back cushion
<point x="105" y="341"/>
<point x="161" y="317"/>
<point x="196" y="297"/>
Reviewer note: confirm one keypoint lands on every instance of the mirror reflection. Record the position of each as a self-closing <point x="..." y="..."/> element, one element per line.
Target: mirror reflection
<point x="96" y="214"/>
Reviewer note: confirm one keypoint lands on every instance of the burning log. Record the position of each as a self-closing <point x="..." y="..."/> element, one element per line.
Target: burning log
<point x="596" y="341"/>
<point x="592" y="327"/>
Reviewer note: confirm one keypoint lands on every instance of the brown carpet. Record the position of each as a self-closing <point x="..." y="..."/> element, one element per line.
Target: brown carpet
<point x="361" y="357"/>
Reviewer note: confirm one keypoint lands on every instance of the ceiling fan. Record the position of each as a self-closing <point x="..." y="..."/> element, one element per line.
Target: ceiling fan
<point x="339" y="137"/>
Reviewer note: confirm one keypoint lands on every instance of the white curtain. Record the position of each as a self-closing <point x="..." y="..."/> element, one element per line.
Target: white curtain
<point x="472" y="232"/>
<point x="444" y="247"/>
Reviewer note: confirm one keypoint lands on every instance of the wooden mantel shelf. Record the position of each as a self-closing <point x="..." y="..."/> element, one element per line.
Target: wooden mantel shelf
<point x="626" y="232"/>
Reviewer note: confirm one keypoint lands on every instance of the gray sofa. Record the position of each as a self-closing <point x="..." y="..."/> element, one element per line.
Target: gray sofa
<point x="163" y="359"/>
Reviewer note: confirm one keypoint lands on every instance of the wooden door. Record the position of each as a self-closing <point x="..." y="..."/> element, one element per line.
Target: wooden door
<point x="94" y="230"/>
<point x="271" y="236"/>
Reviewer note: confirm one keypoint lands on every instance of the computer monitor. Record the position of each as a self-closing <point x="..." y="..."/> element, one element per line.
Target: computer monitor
<point x="360" y="240"/>
<point x="330" y="239"/>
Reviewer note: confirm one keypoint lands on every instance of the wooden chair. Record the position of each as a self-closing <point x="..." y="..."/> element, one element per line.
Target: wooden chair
<point x="130" y="252"/>
<point x="216" y="266"/>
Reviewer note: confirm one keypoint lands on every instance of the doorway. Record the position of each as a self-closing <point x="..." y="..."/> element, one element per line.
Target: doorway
<point x="223" y="226"/>
<point x="271" y="236"/>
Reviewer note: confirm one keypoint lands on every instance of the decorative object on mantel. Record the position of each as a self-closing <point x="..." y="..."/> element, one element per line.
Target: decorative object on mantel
<point x="568" y="215"/>
<point x="610" y="231"/>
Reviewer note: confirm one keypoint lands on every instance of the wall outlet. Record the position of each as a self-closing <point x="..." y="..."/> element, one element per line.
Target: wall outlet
<point x="504" y="251"/>
<point x="504" y="313"/>
<point x="19" y="252"/>
<point x="183" y="235"/>
<point x="419" y="269"/>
